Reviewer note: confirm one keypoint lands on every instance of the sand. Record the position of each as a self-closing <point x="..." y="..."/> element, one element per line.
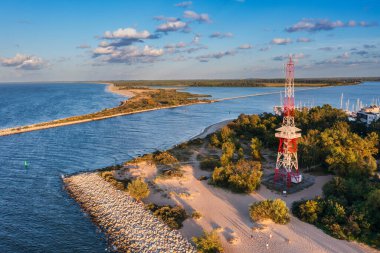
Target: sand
<point x="211" y="129"/>
<point x="228" y="212"/>
<point x="125" y="92"/>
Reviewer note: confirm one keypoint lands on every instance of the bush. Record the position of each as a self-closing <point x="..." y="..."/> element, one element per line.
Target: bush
<point x="256" y="146"/>
<point x="244" y="176"/>
<point x="209" y="163"/>
<point x="196" y="215"/>
<point x="276" y="210"/>
<point x="308" y="211"/>
<point x="171" y="216"/>
<point x="208" y="243"/>
<point x="164" y="158"/>
<point x="138" y="189"/>
<point x="108" y="176"/>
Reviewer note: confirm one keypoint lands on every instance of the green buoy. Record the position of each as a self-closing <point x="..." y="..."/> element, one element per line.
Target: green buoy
<point x="26" y="164"/>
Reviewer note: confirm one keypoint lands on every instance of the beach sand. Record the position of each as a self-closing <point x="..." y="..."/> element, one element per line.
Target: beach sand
<point x="228" y="212"/>
<point x="124" y="92"/>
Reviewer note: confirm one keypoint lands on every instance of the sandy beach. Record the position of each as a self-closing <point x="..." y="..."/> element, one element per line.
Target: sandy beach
<point x="124" y="92"/>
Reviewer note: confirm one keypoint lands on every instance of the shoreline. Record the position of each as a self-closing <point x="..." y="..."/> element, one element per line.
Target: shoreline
<point x="211" y="129"/>
<point x="113" y="89"/>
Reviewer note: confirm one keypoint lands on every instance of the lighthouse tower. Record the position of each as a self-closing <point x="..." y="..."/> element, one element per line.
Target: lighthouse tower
<point x="287" y="162"/>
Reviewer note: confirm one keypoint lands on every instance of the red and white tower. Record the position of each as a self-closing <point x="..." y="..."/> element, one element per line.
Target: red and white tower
<point x="287" y="162"/>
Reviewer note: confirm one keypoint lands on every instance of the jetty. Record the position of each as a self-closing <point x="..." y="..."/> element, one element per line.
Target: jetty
<point x="127" y="224"/>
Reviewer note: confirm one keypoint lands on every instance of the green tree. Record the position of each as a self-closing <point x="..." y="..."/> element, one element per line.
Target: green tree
<point x="347" y="153"/>
<point x="228" y="150"/>
<point x="309" y="211"/>
<point x="225" y="134"/>
<point x="244" y="176"/>
<point x="208" y="243"/>
<point x="214" y="140"/>
<point x="256" y="146"/>
<point x="373" y="206"/>
<point x="138" y="189"/>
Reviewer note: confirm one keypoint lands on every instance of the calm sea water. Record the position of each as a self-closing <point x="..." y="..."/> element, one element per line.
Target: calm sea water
<point x="37" y="214"/>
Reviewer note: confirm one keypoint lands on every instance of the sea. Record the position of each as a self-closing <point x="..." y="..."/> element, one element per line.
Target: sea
<point x="37" y="215"/>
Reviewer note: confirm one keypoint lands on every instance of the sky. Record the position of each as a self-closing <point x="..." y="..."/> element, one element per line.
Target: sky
<point x="73" y="40"/>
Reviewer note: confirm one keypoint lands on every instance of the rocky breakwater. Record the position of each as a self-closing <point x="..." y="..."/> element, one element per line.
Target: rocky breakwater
<point x="129" y="227"/>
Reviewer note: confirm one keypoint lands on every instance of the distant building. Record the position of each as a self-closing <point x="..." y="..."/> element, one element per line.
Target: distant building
<point x="368" y="114"/>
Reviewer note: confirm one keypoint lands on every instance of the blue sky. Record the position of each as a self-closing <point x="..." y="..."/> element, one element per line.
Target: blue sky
<point x="67" y="40"/>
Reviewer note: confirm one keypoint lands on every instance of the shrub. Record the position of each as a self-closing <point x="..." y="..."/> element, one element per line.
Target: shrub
<point x="308" y="211"/>
<point x="276" y="210"/>
<point x="196" y="215"/>
<point x="256" y="145"/>
<point x="228" y="150"/>
<point x="172" y="216"/>
<point x="226" y="134"/>
<point x="244" y="176"/>
<point x="108" y="176"/>
<point x="138" y="189"/>
<point x="208" y="243"/>
<point x="209" y="163"/>
<point x="214" y="140"/>
<point x="164" y="158"/>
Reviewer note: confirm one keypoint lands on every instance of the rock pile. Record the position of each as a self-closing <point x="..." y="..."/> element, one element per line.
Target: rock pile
<point x="128" y="225"/>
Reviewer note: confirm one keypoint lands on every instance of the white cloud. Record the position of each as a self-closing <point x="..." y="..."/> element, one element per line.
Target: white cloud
<point x="171" y="26"/>
<point x="217" y="55"/>
<point x="281" y="41"/>
<point x="294" y="56"/>
<point x="24" y="62"/>
<point x="245" y="46"/>
<point x="161" y="18"/>
<point x="84" y="46"/>
<point x="201" y="18"/>
<point x="178" y="45"/>
<point x="316" y="25"/>
<point x="220" y="35"/>
<point x="128" y="54"/>
<point x="184" y="4"/>
<point x="196" y="39"/>
<point x="150" y="51"/>
<point x="126" y="33"/>
<point x="104" y="50"/>
<point x="304" y="40"/>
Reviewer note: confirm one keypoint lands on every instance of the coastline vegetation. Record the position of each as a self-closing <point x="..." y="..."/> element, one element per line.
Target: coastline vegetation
<point x="275" y="210"/>
<point x="255" y="82"/>
<point x="171" y="216"/>
<point x="138" y="189"/>
<point x="208" y="242"/>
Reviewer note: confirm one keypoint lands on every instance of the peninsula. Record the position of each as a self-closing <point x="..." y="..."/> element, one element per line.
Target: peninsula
<point x="141" y="100"/>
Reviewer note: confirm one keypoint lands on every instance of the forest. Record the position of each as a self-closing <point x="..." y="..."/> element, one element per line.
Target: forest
<point x="251" y="82"/>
